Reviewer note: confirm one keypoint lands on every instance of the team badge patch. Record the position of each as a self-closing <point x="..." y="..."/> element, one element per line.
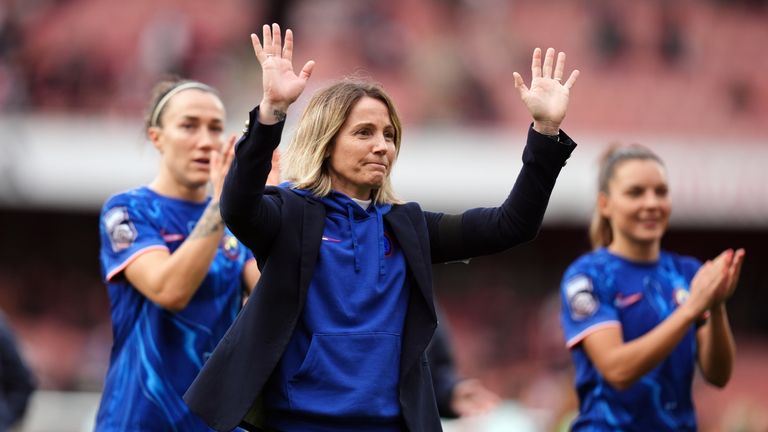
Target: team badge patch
<point x="230" y="246"/>
<point x="582" y="301"/>
<point x="387" y="245"/>
<point x="680" y="295"/>
<point x="122" y="233"/>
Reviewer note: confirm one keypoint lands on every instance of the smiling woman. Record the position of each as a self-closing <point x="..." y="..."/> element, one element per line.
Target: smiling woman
<point x="637" y="318"/>
<point x="334" y="336"/>
<point x="175" y="275"/>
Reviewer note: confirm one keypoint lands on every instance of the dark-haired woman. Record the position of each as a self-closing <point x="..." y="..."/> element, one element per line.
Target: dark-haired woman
<point x="174" y="273"/>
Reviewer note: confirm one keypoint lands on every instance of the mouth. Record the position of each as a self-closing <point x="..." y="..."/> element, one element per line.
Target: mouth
<point x="378" y="166"/>
<point x="651" y="223"/>
<point x="201" y="162"/>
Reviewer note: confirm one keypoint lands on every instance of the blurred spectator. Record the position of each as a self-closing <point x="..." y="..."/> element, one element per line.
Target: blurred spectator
<point x="610" y="40"/>
<point x="456" y="397"/>
<point x="672" y="44"/>
<point x="164" y="44"/>
<point x="16" y="381"/>
<point x="11" y="73"/>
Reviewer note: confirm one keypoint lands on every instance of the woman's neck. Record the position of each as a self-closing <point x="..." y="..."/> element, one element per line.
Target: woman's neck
<point x="636" y="251"/>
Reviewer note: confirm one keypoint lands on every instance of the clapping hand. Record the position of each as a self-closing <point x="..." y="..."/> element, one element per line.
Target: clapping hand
<point x="547" y="98"/>
<point x="716" y="280"/>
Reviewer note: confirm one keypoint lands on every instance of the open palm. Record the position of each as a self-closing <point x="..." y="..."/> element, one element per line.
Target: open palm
<point x="547" y="98"/>
<point x="282" y="86"/>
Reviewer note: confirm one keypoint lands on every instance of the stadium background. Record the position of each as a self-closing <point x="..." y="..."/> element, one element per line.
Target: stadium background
<point x="685" y="77"/>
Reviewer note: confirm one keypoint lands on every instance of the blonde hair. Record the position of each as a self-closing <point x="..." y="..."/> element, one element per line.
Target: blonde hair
<point x="305" y="159"/>
<point x="600" y="231"/>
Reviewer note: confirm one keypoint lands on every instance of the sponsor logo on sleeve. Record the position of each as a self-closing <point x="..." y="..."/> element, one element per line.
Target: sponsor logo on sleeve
<point x="582" y="302"/>
<point x="122" y="233"/>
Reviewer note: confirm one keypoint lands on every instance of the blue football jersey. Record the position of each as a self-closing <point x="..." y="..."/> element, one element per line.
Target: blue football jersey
<point x="601" y="289"/>
<point x="157" y="353"/>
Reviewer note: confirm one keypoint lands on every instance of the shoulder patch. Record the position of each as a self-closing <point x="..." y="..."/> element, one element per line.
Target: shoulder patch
<point x="122" y="233"/>
<point x="582" y="302"/>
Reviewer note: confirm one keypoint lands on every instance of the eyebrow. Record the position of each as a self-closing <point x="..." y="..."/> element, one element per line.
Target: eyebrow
<point x="196" y="118"/>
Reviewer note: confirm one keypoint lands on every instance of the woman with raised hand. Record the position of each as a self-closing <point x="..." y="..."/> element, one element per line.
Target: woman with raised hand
<point x="638" y="318"/>
<point x="334" y="336"/>
<point x="175" y="275"/>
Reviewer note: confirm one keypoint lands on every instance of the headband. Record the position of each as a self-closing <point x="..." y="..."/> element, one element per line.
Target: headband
<point x="173" y="92"/>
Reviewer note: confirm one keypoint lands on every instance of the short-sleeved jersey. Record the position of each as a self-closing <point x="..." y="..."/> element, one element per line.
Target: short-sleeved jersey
<point x="156" y="353"/>
<point x="601" y="289"/>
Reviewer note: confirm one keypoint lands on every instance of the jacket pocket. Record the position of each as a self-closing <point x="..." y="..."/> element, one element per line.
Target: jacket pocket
<point x="350" y="374"/>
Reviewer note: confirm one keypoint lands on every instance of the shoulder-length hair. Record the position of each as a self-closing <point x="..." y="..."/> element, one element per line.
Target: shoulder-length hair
<point x="600" y="231"/>
<point x="306" y="158"/>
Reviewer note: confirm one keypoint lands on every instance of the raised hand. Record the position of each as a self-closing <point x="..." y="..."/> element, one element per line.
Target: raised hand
<point x="282" y="86"/>
<point x="547" y="98"/>
<point x="220" y="163"/>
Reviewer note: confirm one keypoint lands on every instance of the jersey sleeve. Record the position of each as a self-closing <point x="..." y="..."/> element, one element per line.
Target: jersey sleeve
<point x="585" y="307"/>
<point x="126" y="232"/>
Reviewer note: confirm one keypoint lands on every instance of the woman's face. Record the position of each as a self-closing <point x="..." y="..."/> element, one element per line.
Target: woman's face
<point x="192" y="128"/>
<point x="637" y="203"/>
<point x="363" y="150"/>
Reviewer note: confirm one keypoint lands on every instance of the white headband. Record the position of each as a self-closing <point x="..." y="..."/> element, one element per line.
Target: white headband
<point x="173" y="92"/>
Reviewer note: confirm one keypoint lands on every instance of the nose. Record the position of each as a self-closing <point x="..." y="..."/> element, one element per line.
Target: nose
<point x="209" y="139"/>
<point x="380" y="145"/>
<point x="651" y="199"/>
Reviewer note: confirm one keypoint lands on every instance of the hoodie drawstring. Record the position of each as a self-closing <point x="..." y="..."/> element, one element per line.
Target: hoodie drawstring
<point x="380" y="241"/>
<point x="380" y="236"/>
<point x="351" y="216"/>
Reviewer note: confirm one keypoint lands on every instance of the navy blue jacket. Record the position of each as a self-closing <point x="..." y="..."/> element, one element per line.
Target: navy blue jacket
<point x="16" y="380"/>
<point x="284" y="232"/>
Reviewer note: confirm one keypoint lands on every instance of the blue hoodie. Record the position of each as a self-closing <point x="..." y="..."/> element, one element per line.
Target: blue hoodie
<point x="341" y="368"/>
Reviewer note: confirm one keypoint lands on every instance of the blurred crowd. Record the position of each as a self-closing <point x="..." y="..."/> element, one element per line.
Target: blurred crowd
<point x="661" y="65"/>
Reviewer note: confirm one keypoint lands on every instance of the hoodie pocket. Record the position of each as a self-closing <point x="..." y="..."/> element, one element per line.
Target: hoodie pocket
<point x="350" y="374"/>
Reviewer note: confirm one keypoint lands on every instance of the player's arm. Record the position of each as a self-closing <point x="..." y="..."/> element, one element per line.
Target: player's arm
<point x="170" y="280"/>
<point x="623" y="363"/>
<point x="716" y="347"/>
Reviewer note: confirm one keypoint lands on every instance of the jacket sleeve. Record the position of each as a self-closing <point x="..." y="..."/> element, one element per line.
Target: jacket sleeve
<point x="483" y="231"/>
<point x="17" y="381"/>
<point x="252" y="216"/>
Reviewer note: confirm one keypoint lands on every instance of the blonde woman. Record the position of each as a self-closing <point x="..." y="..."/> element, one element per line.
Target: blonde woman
<point x="334" y="336"/>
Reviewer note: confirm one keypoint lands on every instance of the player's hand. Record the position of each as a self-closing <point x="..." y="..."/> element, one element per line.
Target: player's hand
<point x="547" y="98"/>
<point x="710" y="282"/>
<point x="274" y="174"/>
<point x="220" y="163"/>
<point x="732" y="278"/>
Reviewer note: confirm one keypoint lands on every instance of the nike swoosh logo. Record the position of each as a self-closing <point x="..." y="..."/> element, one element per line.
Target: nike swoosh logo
<point x="621" y="302"/>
